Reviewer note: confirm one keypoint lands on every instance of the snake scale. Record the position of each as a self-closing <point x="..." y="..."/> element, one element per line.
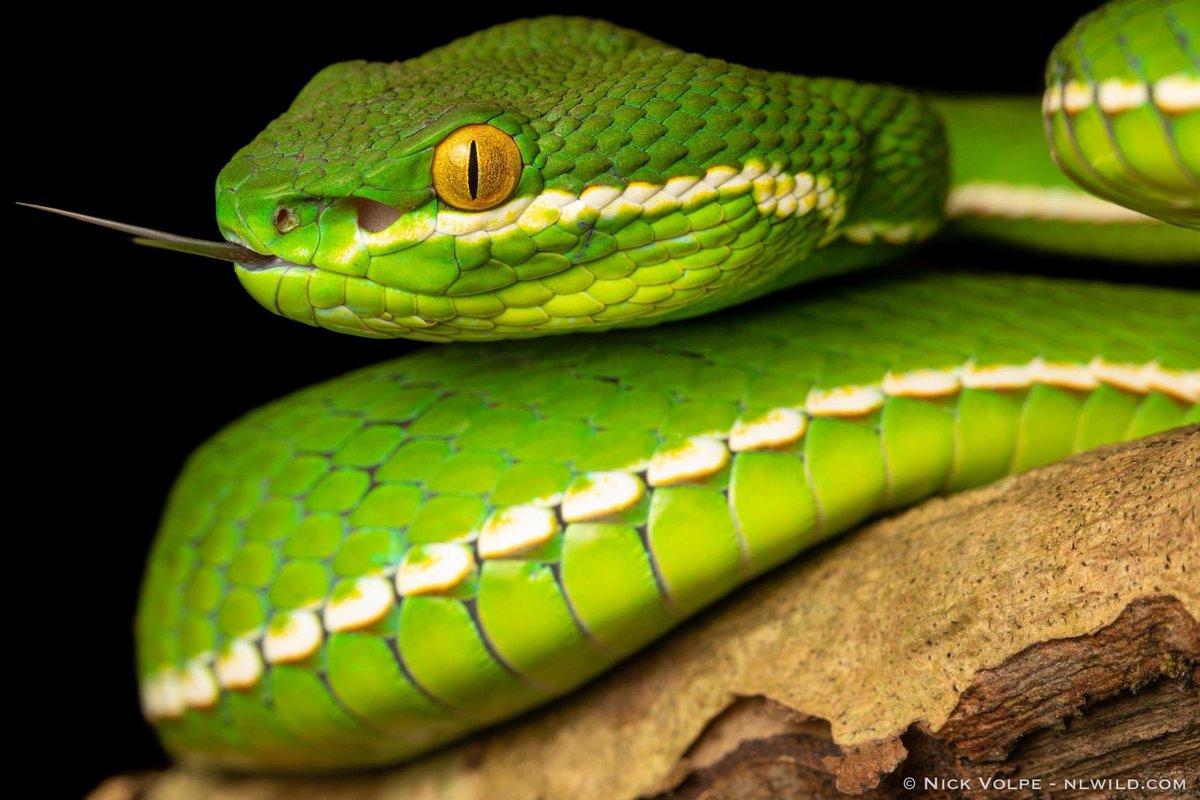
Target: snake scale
<point x="380" y="564"/>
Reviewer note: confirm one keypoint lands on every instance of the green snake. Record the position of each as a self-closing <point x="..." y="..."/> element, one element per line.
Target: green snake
<point x="378" y="565"/>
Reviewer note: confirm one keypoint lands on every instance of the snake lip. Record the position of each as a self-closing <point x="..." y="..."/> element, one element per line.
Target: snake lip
<point x="265" y="262"/>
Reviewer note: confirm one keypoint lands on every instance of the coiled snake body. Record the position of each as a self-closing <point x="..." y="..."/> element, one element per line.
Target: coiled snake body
<point x="377" y="565"/>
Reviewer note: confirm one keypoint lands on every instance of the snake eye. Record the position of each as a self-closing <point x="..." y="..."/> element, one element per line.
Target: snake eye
<point x="476" y="167"/>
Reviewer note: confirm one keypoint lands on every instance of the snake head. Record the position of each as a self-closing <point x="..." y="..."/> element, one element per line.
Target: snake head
<point x="368" y="190"/>
<point x="540" y="177"/>
<point x="546" y="176"/>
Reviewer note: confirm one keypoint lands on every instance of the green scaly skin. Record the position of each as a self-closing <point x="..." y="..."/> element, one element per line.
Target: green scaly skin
<point x="323" y="592"/>
<point x="1146" y="157"/>
<point x="589" y="105"/>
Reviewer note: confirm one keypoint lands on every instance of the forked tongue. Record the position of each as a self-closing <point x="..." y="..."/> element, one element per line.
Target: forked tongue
<point x="223" y="251"/>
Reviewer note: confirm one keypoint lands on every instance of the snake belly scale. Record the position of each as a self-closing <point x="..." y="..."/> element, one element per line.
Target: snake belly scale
<point x="380" y="564"/>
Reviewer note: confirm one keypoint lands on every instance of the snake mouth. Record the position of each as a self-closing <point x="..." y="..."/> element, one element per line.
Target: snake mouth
<point x="234" y="252"/>
<point x="261" y="274"/>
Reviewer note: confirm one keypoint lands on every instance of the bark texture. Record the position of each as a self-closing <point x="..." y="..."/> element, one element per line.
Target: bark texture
<point x="1041" y="628"/>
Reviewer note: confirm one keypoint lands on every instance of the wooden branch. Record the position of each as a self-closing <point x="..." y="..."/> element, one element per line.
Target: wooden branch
<point x="1043" y="628"/>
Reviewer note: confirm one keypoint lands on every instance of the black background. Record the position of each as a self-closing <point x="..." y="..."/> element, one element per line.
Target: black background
<point x="121" y="359"/>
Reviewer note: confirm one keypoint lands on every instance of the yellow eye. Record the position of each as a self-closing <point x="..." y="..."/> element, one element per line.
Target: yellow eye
<point x="476" y="167"/>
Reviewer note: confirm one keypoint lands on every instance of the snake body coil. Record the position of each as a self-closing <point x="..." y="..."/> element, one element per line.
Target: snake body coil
<point x="379" y="564"/>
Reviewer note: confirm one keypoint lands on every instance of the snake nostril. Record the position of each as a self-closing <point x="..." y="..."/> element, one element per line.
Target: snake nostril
<point x="285" y="219"/>
<point x="374" y="217"/>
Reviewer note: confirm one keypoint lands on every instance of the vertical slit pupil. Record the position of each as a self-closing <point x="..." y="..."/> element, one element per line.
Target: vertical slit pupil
<point x="473" y="172"/>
